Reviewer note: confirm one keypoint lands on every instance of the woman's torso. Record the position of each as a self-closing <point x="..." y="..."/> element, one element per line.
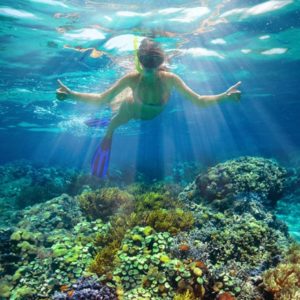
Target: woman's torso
<point x="154" y="91"/>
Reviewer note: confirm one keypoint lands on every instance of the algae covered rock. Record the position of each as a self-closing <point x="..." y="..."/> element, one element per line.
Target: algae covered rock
<point x="62" y="212"/>
<point x="104" y="202"/>
<point x="245" y="175"/>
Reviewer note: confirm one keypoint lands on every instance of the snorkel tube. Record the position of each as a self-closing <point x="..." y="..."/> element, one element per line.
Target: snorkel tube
<point x="138" y="66"/>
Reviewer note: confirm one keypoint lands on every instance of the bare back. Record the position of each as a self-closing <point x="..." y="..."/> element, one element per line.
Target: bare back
<point x="151" y="91"/>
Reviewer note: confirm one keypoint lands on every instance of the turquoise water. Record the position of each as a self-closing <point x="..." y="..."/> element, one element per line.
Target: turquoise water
<point x="232" y="168"/>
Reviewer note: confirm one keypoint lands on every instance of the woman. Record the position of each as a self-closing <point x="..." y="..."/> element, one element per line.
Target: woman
<point x="149" y="91"/>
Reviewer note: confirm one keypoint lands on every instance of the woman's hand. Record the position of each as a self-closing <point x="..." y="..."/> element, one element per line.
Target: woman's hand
<point x="233" y="93"/>
<point x="63" y="92"/>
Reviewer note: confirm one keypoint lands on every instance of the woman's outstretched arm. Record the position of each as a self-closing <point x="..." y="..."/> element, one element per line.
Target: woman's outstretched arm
<point x="231" y="94"/>
<point x="63" y="92"/>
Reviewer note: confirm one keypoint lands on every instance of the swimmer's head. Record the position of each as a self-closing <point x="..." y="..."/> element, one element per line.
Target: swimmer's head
<point x="150" y="55"/>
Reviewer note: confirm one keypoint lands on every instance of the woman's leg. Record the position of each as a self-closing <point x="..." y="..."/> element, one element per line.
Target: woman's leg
<point x="123" y="116"/>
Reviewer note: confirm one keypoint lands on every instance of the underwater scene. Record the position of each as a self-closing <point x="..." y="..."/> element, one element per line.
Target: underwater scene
<point x="150" y="150"/>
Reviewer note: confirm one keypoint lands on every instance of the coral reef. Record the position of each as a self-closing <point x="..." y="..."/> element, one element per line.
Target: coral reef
<point x="243" y="175"/>
<point x="154" y="201"/>
<point x="104" y="202"/>
<point x="218" y="239"/>
<point x="232" y="247"/>
<point x="144" y="267"/>
<point x="283" y="281"/>
<point x="51" y="245"/>
<point x="60" y="212"/>
<point x="88" y="288"/>
<point x="22" y="184"/>
<point x="64" y="257"/>
<point x="147" y="210"/>
<point x="172" y="221"/>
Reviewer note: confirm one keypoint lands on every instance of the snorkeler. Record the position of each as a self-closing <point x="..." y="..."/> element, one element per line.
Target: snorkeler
<point x="148" y="91"/>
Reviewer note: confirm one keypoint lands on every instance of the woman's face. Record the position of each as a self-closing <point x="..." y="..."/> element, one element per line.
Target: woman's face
<point x="150" y="61"/>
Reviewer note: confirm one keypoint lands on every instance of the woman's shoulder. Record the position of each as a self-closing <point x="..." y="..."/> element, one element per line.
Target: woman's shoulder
<point x="133" y="74"/>
<point x="168" y="76"/>
<point x="132" y="78"/>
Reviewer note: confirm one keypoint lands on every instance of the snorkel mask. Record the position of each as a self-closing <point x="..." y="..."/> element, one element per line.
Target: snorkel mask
<point x="149" y="55"/>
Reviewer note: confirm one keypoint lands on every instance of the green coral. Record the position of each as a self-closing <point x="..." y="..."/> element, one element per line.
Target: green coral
<point x="172" y="221"/>
<point x="283" y="281"/>
<point x="246" y="240"/>
<point x="5" y="289"/>
<point x="23" y="234"/>
<point x="145" y="264"/>
<point x="103" y="263"/>
<point x="243" y="175"/>
<point x="62" y="258"/>
<point x="188" y="295"/>
<point x="161" y="212"/>
<point x="109" y="243"/>
<point x="155" y="201"/>
<point x="22" y="293"/>
<point x="104" y="202"/>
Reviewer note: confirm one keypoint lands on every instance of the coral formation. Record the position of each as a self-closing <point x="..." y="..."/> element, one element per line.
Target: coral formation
<point x="243" y="175"/>
<point x="144" y="262"/>
<point x="58" y="213"/>
<point x="8" y="256"/>
<point x="154" y="201"/>
<point x="104" y="202"/>
<point x="143" y="214"/>
<point x="188" y="295"/>
<point x="232" y="247"/>
<point x="87" y="288"/>
<point x="51" y="245"/>
<point x="172" y="221"/>
<point x="225" y="296"/>
<point x="283" y="281"/>
<point x="218" y="239"/>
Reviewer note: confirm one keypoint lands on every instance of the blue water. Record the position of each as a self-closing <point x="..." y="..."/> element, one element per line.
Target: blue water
<point x="214" y="46"/>
<point x="89" y="45"/>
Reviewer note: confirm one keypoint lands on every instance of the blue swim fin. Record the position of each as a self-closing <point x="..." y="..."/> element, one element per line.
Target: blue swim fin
<point x="97" y="122"/>
<point x="100" y="161"/>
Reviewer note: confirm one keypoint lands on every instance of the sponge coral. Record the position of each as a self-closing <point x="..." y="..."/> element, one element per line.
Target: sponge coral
<point x="104" y="202"/>
<point x="172" y="221"/>
<point x="283" y="282"/>
<point x="154" y="201"/>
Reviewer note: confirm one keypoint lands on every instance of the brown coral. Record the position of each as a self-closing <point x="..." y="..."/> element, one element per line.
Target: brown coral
<point x="225" y="296"/>
<point x="184" y="247"/>
<point x="104" y="202"/>
<point x="283" y="282"/>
